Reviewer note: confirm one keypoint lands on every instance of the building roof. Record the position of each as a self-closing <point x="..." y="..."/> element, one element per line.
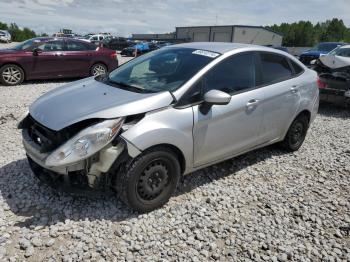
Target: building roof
<point x="217" y="47"/>
<point x="246" y="26"/>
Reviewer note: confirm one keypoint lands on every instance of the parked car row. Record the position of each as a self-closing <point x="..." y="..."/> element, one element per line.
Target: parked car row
<point x="137" y="49"/>
<point x="50" y="58"/>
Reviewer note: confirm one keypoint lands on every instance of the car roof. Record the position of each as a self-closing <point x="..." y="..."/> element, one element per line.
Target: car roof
<point x="334" y="43"/>
<point x="50" y="38"/>
<point x="219" y="47"/>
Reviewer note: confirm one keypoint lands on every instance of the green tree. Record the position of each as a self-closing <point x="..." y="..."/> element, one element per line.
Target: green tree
<point x="304" y="33"/>
<point x="3" y="26"/>
<point x="17" y="34"/>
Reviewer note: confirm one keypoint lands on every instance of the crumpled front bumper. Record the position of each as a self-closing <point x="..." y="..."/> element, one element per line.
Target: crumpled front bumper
<point x="87" y="173"/>
<point x="33" y="151"/>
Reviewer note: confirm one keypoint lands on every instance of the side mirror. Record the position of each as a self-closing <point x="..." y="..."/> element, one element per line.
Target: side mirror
<point x="216" y="97"/>
<point x="36" y="51"/>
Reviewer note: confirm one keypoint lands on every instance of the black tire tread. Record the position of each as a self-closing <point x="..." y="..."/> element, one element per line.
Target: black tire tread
<point x="285" y="143"/>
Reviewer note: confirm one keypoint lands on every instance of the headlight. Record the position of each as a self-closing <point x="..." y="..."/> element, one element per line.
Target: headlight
<point x="86" y="143"/>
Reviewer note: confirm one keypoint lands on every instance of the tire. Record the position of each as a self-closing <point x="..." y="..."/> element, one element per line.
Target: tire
<point x="296" y="134"/>
<point x="149" y="180"/>
<point x="98" y="69"/>
<point x="11" y="75"/>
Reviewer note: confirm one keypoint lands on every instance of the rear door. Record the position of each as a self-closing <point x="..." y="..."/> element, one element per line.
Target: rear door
<point x="78" y="57"/>
<point x="48" y="62"/>
<point x="225" y="130"/>
<point x="281" y="86"/>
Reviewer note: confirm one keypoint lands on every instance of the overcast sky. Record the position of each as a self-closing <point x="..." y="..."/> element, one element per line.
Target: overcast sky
<point x="123" y="17"/>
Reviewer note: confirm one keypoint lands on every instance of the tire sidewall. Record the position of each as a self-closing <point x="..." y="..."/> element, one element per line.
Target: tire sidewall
<point x="135" y="173"/>
<point x="3" y="82"/>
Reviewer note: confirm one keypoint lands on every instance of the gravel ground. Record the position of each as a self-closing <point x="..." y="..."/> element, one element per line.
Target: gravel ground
<point x="264" y="205"/>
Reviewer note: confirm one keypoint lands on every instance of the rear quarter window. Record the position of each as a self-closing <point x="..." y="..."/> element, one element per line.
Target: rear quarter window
<point x="297" y="68"/>
<point x="274" y="68"/>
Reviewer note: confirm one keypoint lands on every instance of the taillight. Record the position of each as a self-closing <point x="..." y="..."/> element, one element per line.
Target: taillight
<point x="320" y="84"/>
<point x="114" y="56"/>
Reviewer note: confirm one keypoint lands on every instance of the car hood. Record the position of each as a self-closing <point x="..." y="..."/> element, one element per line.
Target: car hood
<point x="88" y="99"/>
<point x="335" y="62"/>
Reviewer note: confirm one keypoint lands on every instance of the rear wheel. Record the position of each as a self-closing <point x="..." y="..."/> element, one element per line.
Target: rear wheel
<point x="98" y="69"/>
<point x="149" y="180"/>
<point x="11" y="75"/>
<point x="296" y="134"/>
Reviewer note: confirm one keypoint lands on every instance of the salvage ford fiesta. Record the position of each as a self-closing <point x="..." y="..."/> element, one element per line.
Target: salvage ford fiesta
<point x="168" y="113"/>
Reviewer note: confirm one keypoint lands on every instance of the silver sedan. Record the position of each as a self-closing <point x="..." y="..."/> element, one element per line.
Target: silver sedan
<point x="168" y="113"/>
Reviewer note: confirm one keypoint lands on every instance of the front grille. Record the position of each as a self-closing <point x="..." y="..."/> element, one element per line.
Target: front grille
<point x="47" y="139"/>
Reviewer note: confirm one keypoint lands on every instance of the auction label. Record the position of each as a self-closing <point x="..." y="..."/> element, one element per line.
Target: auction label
<point x="205" y="53"/>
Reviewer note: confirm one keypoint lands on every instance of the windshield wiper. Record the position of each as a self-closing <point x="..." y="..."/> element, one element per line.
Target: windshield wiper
<point x="127" y="86"/>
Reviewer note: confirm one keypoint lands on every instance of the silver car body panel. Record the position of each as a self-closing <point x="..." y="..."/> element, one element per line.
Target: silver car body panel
<point x="87" y="99"/>
<point x="233" y="129"/>
<point x="252" y="119"/>
<point x="169" y="126"/>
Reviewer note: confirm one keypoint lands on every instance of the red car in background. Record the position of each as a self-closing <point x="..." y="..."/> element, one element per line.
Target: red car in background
<point x="52" y="58"/>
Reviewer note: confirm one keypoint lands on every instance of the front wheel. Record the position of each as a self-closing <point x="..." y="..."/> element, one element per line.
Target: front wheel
<point x="98" y="69"/>
<point x="11" y="75"/>
<point x="149" y="180"/>
<point x="296" y="134"/>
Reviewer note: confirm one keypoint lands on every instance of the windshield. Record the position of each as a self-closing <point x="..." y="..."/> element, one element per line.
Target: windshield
<point x="162" y="70"/>
<point x="325" y="47"/>
<point x="24" y="45"/>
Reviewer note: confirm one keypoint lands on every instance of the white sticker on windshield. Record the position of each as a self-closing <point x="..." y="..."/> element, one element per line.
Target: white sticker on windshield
<point x="205" y="53"/>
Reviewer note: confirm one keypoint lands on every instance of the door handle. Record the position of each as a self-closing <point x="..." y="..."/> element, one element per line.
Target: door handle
<point x="252" y="102"/>
<point x="294" y="89"/>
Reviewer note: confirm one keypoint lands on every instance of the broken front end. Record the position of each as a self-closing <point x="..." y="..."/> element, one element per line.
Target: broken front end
<point x="82" y="156"/>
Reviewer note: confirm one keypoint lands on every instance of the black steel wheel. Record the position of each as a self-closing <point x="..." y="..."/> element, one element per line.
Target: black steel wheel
<point x="296" y="134"/>
<point x="149" y="180"/>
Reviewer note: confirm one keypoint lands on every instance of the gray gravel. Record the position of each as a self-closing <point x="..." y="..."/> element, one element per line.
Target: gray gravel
<point x="263" y="206"/>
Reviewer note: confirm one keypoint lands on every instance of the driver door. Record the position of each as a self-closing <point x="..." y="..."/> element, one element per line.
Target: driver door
<point x="226" y="130"/>
<point x="48" y="61"/>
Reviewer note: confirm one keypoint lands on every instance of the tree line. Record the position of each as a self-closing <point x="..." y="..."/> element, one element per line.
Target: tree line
<point x="18" y="34"/>
<point x="304" y="33"/>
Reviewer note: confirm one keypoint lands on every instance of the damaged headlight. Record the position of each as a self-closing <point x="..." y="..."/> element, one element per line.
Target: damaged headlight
<point x="86" y="143"/>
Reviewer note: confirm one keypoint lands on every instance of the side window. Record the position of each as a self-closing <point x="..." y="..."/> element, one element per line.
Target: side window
<point x="51" y="46"/>
<point x="75" y="46"/>
<point x="344" y="52"/>
<point x="274" y="68"/>
<point x="297" y="68"/>
<point x="234" y="74"/>
<point x="90" y="46"/>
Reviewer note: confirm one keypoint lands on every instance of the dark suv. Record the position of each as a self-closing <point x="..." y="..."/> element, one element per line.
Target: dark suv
<point x="45" y="58"/>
